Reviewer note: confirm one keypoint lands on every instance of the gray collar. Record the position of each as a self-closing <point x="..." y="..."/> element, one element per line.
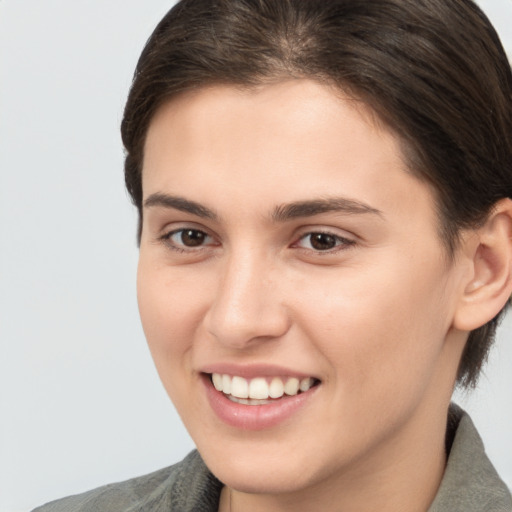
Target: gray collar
<point x="470" y="482"/>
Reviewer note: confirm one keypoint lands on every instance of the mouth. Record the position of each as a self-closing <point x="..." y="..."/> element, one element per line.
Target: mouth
<point x="260" y="390"/>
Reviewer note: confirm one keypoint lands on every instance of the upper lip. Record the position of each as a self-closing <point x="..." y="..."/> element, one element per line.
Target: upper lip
<point x="251" y="371"/>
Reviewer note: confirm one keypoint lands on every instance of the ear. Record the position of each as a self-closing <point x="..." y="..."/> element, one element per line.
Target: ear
<point x="489" y="284"/>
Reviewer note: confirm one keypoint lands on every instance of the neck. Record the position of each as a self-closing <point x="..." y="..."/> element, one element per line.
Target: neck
<point x="404" y="476"/>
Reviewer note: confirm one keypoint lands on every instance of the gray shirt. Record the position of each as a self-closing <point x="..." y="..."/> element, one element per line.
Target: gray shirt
<point x="470" y="483"/>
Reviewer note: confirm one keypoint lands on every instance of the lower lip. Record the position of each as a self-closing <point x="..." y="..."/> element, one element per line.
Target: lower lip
<point x="254" y="417"/>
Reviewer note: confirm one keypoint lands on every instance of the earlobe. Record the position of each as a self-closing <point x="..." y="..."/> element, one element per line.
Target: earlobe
<point x="490" y="285"/>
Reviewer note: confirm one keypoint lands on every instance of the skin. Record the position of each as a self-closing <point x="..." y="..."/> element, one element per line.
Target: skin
<point x="374" y="317"/>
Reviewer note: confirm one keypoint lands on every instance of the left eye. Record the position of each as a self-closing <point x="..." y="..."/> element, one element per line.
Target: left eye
<point x="323" y="241"/>
<point x="188" y="238"/>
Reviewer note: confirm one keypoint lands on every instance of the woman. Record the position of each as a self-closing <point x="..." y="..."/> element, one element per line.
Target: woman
<point x="325" y="251"/>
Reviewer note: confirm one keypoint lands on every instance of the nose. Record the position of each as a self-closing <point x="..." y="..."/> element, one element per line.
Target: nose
<point x="247" y="307"/>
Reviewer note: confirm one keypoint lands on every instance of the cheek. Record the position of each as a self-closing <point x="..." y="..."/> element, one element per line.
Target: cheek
<point x="383" y="330"/>
<point x="170" y="310"/>
<point x="166" y="316"/>
<point x="168" y="302"/>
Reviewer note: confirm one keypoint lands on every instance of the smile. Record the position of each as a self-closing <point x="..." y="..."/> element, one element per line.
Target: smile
<point x="260" y="390"/>
<point x="279" y="396"/>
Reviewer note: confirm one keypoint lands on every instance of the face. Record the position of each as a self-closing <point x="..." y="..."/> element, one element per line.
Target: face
<point x="289" y="256"/>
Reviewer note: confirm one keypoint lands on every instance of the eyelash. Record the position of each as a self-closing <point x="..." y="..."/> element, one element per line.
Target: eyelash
<point x="341" y="243"/>
<point x="167" y="239"/>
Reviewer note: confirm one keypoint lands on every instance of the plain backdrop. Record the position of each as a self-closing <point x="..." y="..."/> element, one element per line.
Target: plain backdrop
<point x="80" y="401"/>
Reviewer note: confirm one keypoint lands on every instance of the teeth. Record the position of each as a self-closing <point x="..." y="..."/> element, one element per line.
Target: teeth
<point x="239" y="387"/>
<point x="306" y="383"/>
<point x="249" y="401"/>
<point x="292" y="386"/>
<point x="226" y="384"/>
<point x="276" y="389"/>
<point x="217" y="381"/>
<point x="258" y="388"/>
<point x="257" y="391"/>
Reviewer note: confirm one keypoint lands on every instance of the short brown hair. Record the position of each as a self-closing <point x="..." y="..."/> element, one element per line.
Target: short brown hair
<point x="434" y="71"/>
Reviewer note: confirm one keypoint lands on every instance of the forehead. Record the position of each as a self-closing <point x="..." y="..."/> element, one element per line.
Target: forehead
<point x="303" y="115"/>
<point x="275" y="144"/>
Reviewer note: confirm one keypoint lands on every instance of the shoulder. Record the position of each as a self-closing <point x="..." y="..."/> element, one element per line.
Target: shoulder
<point x="470" y="482"/>
<point x="185" y="486"/>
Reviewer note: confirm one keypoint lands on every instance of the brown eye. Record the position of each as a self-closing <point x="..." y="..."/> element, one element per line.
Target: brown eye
<point x="322" y="241"/>
<point x="192" y="237"/>
<point x="183" y="239"/>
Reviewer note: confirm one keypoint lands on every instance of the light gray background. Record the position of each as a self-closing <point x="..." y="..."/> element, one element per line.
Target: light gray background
<point x="80" y="402"/>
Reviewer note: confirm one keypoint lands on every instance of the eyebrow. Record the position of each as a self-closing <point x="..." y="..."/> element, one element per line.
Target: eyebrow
<point x="317" y="206"/>
<point x="181" y="204"/>
<point x="281" y="213"/>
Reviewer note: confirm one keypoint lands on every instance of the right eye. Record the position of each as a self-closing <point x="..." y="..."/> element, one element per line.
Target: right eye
<point x="186" y="239"/>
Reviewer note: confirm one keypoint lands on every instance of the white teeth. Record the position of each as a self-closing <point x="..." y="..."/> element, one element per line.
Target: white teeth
<point x="258" y="390"/>
<point x="306" y="383"/>
<point x="226" y="384"/>
<point x="217" y="381"/>
<point x="248" y="401"/>
<point x="276" y="389"/>
<point x="239" y="387"/>
<point x="292" y="386"/>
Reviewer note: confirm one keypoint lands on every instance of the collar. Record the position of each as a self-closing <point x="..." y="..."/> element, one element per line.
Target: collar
<point x="470" y="482"/>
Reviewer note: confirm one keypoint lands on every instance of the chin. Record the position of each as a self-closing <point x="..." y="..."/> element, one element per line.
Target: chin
<point x="267" y="480"/>
<point x="264" y="468"/>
